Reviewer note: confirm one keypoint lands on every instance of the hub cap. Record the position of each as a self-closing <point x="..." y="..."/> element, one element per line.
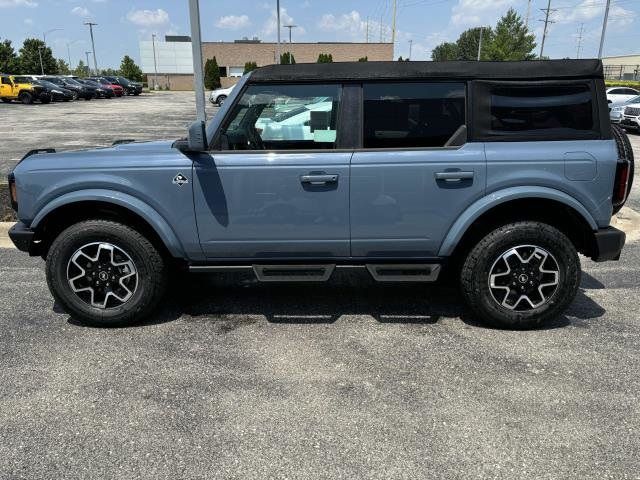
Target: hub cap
<point x="102" y="275"/>
<point x="523" y="278"/>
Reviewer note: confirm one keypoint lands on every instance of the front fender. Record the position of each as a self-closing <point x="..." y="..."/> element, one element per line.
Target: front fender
<point x="485" y="204"/>
<point x="135" y="205"/>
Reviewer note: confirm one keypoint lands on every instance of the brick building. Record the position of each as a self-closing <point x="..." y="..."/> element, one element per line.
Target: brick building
<point x="174" y="61"/>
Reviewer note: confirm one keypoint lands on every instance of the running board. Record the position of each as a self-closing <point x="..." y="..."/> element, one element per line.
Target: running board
<point x="411" y="272"/>
<point x="293" y="273"/>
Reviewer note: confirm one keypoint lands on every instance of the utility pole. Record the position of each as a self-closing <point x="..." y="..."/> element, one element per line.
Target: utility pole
<point x="93" y="46"/>
<point x="69" y="51"/>
<point x="87" y="54"/>
<point x="278" y="51"/>
<point x="410" y="48"/>
<point x="393" y="28"/>
<point x="196" y="47"/>
<point x="367" y="30"/>
<point x="155" y="63"/>
<point x="604" y="28"/>
<point x="40" y="47"/>
<point x="546" y="20"/>
<point x="44" y="41"/>
<point x="528" y="13"/>
<point x="580" y="36"/>
<point x="480" y="43"/>
<point x="290" y="27"/>
<point x="380" y="28"/>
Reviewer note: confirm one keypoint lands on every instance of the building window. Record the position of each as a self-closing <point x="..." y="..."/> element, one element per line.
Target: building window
<point x="236" y="71"/>
<point x="403" y="115"/>
<point x="283" y="117"/>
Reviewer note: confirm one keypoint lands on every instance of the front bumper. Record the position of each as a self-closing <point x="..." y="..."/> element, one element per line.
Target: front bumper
<point x="608" y="244"/>
<point x="21" y="236"/>
<point x="630" y="122"/>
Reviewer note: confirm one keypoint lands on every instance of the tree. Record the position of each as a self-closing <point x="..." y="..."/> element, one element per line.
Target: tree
<point x="445" y="52"/>
<point x="29" y="59"/>
<point x="8" y="58"/>
<point x="512" y="39"/>
<point x="469" y="40"/>
<point x="325" y="58"/>
<point x="211" y="74"/>
<point x="287" y="58"/>
<point x="363" y="59"/>
<point x="400" y="59"/>
<point x="81" y="70"/>
<point x="250" y="66"/>
<point x="63" y="67"/>
<point x="111" y="72"/>
<point x="130" y="70"/>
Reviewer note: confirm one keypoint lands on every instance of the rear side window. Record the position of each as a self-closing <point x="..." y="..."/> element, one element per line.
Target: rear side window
<point x="530" y="112"/>
<point x="405" y="115"/>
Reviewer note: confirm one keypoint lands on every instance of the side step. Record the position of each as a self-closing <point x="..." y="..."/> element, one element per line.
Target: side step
<point x="293" y="273"/>
<point x="410" y="272"/>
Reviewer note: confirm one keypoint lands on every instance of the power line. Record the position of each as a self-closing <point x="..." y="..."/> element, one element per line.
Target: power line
<point x="580" y="37"/>
<point x="546" y="20"/>
<point x="93" y="46"/>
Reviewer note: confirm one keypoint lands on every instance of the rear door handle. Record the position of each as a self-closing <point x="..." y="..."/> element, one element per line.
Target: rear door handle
<point x="454" y="176"/>
<point x="319" y="179"/>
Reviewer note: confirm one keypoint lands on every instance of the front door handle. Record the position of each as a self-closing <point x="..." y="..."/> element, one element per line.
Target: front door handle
<point x="454" y="176"/>
<point x="319" y="178"/>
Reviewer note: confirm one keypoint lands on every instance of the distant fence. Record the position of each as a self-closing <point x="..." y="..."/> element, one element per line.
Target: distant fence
<point x="622" y="72"/>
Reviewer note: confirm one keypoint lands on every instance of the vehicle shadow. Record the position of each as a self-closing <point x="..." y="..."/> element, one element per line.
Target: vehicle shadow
<point x="238" y="298"/>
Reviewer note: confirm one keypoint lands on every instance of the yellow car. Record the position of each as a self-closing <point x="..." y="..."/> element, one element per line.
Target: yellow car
<point x="24" y="92"/>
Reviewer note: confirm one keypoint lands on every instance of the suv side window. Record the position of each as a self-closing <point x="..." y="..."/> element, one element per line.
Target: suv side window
<point x="283" y="117"/>
<point x="517" y="112"/>
<point x="405" y="115"/>
<point x="6" y="81"/>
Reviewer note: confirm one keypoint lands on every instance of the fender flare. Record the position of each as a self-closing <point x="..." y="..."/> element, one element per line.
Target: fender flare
<point x="483" y="205"/>
<point x="133" y="204"/>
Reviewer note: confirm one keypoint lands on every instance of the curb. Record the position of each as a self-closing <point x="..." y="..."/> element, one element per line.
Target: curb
<point x="5" y="242"/>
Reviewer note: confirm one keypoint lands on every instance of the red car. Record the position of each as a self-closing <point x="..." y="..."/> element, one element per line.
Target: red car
<point x="117" y="89"/>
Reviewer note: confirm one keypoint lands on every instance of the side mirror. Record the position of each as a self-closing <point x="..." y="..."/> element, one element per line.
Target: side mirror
<point x="198" y="137"/>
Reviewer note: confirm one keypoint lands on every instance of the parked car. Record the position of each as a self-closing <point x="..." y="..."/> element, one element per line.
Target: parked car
<point x="621" y="94"/>
<point x="417" y="170"/>
<point x="79" y="90"/>
<point x="130" y="87"/>
<point x="117" y="89"/>
<point x="616" y="110"/>
<point x="56" y="92"/>
<point x="219" y="95"/>
<point x="631" y="117"/>
<point x="100" y="90"/>
<point x="21" y="89"/>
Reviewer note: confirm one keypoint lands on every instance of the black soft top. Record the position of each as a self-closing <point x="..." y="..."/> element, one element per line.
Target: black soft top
<point x="356" y="71"/>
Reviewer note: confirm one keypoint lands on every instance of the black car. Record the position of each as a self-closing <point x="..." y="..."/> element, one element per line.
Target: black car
<point x="41" y="93"/>
<point x="57" y="93"/>
<point x="100" y="90"/>
<point x="130" y="87"/>
<point x="77" y="89"/>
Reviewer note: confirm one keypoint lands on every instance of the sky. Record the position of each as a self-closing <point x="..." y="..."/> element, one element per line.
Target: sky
<point x="421" y="24"/>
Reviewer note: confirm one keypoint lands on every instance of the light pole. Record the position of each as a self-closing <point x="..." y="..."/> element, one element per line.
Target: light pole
<point x="155" y="65"/>
<point x="278" y="27"/>
<point x="69" y="51"/>
<point x="290" y="27"/>
<point x="480" y="43"/>
<point x="40" y="47"/>
<point x="410" y="48"/>
<point x="44" y="41"/>
<point x="87" y="54"/>
<point x="604" y="28"/>
<point x="93" y="46"/>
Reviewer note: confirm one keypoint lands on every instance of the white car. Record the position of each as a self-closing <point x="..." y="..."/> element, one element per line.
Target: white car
<point x="219" y="95"/>
<point x="616" y="110"/>
<point x="631" y="117"/>
<point x="621" y="94"/>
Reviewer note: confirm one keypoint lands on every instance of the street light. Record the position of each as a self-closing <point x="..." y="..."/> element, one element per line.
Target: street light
<point x="44" y="40"/>
<point x="155" y="64"/>
<point x="69" y="51"/>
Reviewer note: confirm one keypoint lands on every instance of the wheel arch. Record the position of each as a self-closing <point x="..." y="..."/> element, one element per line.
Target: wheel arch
<point x="78" y="206"/>
<point x="544" y="204"/>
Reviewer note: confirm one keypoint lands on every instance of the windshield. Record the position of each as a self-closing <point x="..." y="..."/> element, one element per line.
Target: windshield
<point x="123" y="80"/>
<point x="72" y="81"/>
<point x="47" y="84"/>
<point x="22" y="80"/>
<point x="633" y="100"/>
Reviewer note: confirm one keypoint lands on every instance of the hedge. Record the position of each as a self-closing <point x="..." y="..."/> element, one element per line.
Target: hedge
<point x="623" y="83"/>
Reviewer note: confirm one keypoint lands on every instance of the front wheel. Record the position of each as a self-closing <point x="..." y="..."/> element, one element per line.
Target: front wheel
<point x="221" y="99"/>
<point x="521" y="275"/>
<point x="26" y="98"/>
<point x="105" y="274"/>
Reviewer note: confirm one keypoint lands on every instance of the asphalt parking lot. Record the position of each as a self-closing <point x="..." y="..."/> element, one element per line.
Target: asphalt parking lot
<point x="236" y="379"/>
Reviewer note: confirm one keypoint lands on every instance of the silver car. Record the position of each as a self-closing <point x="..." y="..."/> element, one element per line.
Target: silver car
<point x="616" y="110"/>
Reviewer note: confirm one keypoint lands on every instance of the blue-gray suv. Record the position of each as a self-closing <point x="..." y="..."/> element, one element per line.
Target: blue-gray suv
<point x="493" y="174"/>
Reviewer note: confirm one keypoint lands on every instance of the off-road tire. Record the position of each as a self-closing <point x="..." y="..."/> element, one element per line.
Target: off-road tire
<point x="150" y="265"/>
<point x="26" y="98"/>
<point x="476" y="269"/>
<point x="625" y="152"/>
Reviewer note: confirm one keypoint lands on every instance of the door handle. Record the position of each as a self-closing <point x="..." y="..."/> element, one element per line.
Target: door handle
<point x="319" y="179"/>
<point x="455" y="176"/>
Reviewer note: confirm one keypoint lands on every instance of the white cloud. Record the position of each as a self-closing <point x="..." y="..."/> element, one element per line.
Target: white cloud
<point x="478" y="12"/>
<point x="81" y="12"/>
<point x="28" y="21"/>
<point x="233" y="22"/>
<point x="270" y="26"/>
<point x="148" y="18"/>
<point x="347" y="22"/>
<point x="18" y="3"/>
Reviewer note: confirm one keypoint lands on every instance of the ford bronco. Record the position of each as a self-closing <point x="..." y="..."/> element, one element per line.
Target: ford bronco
<point x="496" y="175"/>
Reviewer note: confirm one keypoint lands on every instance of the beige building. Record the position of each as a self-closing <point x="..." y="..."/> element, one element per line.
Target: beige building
<point x="173" y="59"/>
<point x="622" y="67"/>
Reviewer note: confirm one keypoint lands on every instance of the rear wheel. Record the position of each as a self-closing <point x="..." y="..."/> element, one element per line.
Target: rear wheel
<point x="105" y="273"/>
<point x="221" y="99"/>
<point x="26" y="98"/>
<point x="521" y="275"/>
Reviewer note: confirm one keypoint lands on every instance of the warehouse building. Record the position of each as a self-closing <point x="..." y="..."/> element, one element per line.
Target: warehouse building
<point x="622" y="67"/>
<point x="174" y="61"/>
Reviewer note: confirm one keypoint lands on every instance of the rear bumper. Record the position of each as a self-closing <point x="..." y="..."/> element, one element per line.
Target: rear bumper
<point x="608" y="244"/>
<point x="21" y="236"/>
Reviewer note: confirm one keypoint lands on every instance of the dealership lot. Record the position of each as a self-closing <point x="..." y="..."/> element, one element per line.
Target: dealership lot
<point x="350" y="379"/>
